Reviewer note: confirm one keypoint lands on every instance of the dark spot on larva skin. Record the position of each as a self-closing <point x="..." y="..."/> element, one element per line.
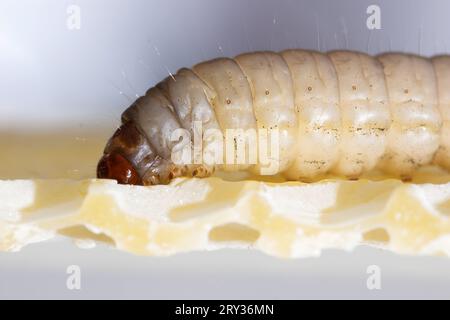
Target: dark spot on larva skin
<point x="354" y="87"/>
<point x="310" y="88"/>
<point x="317" y="163"/>
<point x="406" y="91"/>
<point x="267" y="92"/>
<point x="228" y="101"/>
<point x="117" y="167"/>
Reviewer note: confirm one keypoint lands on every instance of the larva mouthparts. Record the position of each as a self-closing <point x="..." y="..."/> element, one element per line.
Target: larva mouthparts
<point x="297" y="113"/>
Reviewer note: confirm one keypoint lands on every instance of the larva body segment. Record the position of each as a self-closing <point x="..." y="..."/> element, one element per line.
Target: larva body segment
<point x="342" y="112"/>
<point x="316" y="97"/>
<point x="413" y="136"/>
<point x="191" y="99"/>
<point x="232" y="101"/>
<point x="365" y="115"/>
<point x="441" y="66"/>
<point x="273" y="101"/>
<point x="157" y="120"/>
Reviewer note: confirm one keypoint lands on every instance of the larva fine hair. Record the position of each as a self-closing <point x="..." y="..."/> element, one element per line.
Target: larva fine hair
<point x="340" y="112"/>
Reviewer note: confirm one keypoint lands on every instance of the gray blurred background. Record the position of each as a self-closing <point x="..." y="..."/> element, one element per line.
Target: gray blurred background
<point x="57" y="73"/>
<point x="52" y="73"/>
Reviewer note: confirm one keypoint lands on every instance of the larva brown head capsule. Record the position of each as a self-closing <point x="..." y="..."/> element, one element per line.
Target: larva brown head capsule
<point x="130" y="159"/>
<point x="121" y="155"/>
<point x="115" y="166"/>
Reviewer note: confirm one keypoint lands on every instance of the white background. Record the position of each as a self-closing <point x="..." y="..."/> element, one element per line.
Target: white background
<point x="52" y="76"/>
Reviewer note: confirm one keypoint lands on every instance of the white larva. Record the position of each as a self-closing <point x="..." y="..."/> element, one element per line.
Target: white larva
<point x="340" y="112"/>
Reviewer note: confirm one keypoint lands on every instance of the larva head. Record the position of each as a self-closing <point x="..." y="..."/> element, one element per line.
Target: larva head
<point x="130" y="159"/>
<point x="123" y="155"/>
<point x="115" y="166"/>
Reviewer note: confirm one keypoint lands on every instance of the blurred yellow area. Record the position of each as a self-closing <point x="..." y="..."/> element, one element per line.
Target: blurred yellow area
<point x="49" y="155"/>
